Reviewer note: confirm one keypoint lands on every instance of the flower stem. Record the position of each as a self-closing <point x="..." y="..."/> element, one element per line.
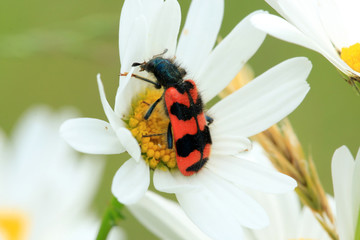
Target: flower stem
<point x="110" y="218"/>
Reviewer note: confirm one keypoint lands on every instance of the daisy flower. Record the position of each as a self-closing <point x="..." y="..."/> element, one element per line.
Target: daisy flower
<point x="346" y="180"/>
<point x="325" y="26"/>
<point x="213" y="198"/>
<point x="45" y="189"/>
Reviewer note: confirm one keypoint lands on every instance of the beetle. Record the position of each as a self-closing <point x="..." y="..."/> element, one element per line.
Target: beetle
<point x="188" y="126"/>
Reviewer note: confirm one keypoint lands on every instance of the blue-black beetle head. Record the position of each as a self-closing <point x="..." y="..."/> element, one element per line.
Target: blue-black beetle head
<point x="146" y="66"/>
<point x="166" y="72"/>
<point x="149" y="66"/>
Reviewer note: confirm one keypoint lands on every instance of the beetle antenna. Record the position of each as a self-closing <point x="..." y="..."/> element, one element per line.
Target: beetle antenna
<point x="135" y="64"/>
<point x="157" y="85"/>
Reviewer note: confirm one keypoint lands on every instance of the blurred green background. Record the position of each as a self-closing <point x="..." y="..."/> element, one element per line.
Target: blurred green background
<point x="50" y="53"/>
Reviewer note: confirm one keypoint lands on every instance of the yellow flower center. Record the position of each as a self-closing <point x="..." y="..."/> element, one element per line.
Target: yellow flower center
<point x="14" y="224"/>
<point x="151" y="134"/>
<point x="351" y="56"/>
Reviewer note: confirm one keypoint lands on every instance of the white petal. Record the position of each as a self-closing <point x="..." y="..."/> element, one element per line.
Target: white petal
<point x="227" y="59"/>
<point x="114" y="120"/>
<point x="251" y="175"/>
<point x="229" y="145"/>
<point x="129" y="143"/>
<point x="129" y="12"/>
<point x="125" y="93"/>
<point x="136" y="16"/>
<point x="321" y="43"/>
<point x="257" y="155"/>
<point x="35" y="137"/>
<point x="356" y="191"/>
<point x="220" y="203"/>
<point x="309" y="228"/>
<point x="199" y="33"/>
<point x="150" y="8"/>
<point x="350" y="17"/>
<point x="284" y="213"/>
<point x="342" y="166"/>
<point x="136" y="46"/>
<point x="334" y="26"/>
<point x="275" y="5"/>
<point x="131" y="181"/>
<point x="3" y="141"/>
<point x="283" y="209"/>
<point x="210" y="214"/>
<point x="305" y="16"/>
<point x="82" y="179"/>
<point x="245" y="209"/>
<point x="280" y="28"/>
<point x="116" y="233"/>
<point x="262" y="102"/>
<point x="173" y="182"/>
<point x="357" y="158"/>
<point x="336" y="60"/>
<point x="308" y="21"/>
<point x="164" y="29"/>
<point x="165" y="218"/>
<point x="90" y="135"/>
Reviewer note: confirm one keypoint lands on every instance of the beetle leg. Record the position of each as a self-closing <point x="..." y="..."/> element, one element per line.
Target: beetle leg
<point x="169" y="137"/>
<point x="209" y="119"/>
<point x="151" y="108"/>
<point x="154" y="135"/>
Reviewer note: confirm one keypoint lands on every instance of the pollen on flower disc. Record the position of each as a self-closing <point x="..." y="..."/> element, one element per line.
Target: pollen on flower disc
<point x="151" y="134"/>
<point x="351" y="56"/>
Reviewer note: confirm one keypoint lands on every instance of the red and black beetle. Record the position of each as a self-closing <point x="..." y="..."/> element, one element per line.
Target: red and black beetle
<point x="188" y="126"/>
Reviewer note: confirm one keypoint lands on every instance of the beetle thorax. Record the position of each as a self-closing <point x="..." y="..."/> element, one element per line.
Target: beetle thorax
<point x="166" y="72"/>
